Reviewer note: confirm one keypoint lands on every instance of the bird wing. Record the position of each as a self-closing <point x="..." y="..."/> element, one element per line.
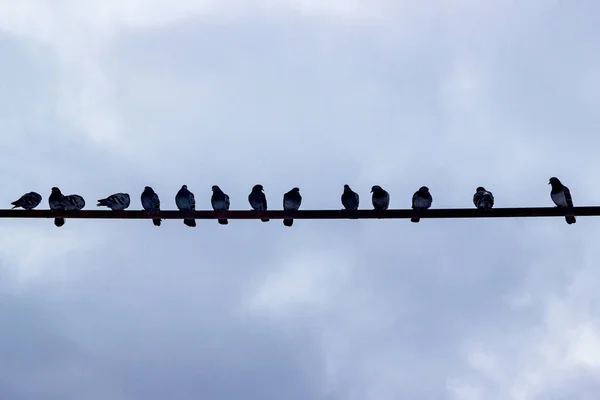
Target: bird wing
<point x="568" y="197"/>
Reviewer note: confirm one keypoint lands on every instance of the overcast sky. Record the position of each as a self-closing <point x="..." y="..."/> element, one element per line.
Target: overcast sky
<point x="102" y="96"/>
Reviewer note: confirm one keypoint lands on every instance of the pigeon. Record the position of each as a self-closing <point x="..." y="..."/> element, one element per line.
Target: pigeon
<point x="185" y="201"/>
<point x="220" y="202"/>
<point x="380" y="199"/>
<point x="483" y="199"/>
<point x="350" y="199"/>
<point x="421" y="200"/>
<point x="561" y="196"/>
<point x="60" y="202"/>
<point x="258" y="200"/>
<point x="291" y="202"/>
<point x="116" y="202"/>
<point x="28" y="201"/>
<point x="151" y="203"/>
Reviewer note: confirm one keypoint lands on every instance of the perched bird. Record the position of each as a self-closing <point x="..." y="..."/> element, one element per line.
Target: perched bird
<point x="561" y="196"/>
<point x="60" y="202"/>
<point x="421" y="200"/>
<point x="220" y="202"/>
<point x="350" y="199"/>
<point x="258" y="200"/>
<point x="483" y="199"/>
<point x="291" y="202"/>
<point x="185" y="201"/>
<point x="28" y="201"/>
<point x="380" y="198"/>
<point x="151" y="203"/>
<point x="116" y="202"/>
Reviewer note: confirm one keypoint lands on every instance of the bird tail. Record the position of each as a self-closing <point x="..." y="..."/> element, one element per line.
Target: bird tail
<point x="415" y="219"/>
<point x="190" y="222"/>
<point x="223" y="221"/>
<point x="288" y="222"/>
<point x="59" y="222"/>
<point x="570" y="219"/>
<point x="101" y="202"/>
<point x="265" y="219"/>
<point x="156" y="221"/>
<point x="15" y="204"/>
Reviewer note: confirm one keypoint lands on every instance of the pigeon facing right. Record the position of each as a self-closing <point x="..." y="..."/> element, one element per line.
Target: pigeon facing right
<point x="60" y="202"/>
<point x="185" y="201"/>
<point x="483" y="199"/>
<point x="28" y="201"/>
<point x="561" y="196"/>
<point x="350" y="199"/>
<point x="258" y="200"/>
<point x="219" y="202"/>
<point x="421" y="200"/>
<point x="291" y="202"/>
<point x="151" y="203"/>
<point x="116" y="202"/>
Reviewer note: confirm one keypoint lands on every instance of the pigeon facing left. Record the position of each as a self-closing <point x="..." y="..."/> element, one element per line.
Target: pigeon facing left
<point x="561" y="196"/>
<point x="219" y="202"/>
<point x="380" y="198"/>
<point x="483" y="199"/>
<point x="185" y="201"/>
<point x="116" y="202"/>
<point x="421" y="200"/>
<point x="28" y="201"/>
<point x="151" y="203"/>
<point x="258" y="200"/>
<point x="60" y="202"/>
<point x="291" y="202"/>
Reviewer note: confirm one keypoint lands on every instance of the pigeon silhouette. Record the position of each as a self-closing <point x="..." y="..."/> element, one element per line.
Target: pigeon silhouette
<point x="291" y="202"/>
<point x="258" y="200"/>
<point x="421" y="200"/>
<point x="151" y="203"/>
<point x="219" y="202"/>
<point x="28" y="201"/>
<point x="380" y="198"/>
<point x="483" y="199"/>
<point x="561" y="196"/>
<point x="185" y="201"/>
<point x="350" y="199"/>
<point x="116" y="202"/>
<point x="60" y="202"/>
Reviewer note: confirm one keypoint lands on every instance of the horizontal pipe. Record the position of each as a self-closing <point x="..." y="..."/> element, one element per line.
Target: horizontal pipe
<point x="309" y="214"/>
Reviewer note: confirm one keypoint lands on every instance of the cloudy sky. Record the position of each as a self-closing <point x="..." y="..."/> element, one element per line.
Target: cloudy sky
<point x="101" y="96"/>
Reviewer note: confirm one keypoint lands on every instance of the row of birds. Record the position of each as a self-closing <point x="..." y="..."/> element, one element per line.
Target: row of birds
<point x="185" y="201"/>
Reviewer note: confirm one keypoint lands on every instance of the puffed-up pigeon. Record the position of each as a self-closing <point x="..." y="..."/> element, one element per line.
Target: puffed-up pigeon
<point x="151" y="203"/>
<point x="291" y="202"/>
<point x="380" y="198"/>
<point x="421" y="200"/>
<point x="185" y="201"/>
<point x="350" y="199"/>
<point x="60" y="202"/>
<point x="258" y="200"/>
<point x="28" y="201"/>
<point x="219" y="202"/>
<point x="483" y="199"/>
<point x="116" y="202"/>
<point x="561" y="196"/>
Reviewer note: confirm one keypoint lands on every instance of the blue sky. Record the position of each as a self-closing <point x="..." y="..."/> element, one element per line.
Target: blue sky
<point x="106" y="96"/>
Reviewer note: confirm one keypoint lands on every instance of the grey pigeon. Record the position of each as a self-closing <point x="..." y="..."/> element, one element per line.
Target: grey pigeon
<point x="483" y="199"/>
<point x="219" y="202"/>
<point x="59" y="202"/>
<point x="28" y="201"/>
<point x="116" y="202"/>
<point x="350" y="199"/>
<point x="561" y="196"/>
<point x="151" y="203"/>
<point x="291" y="202"/>
<point x="258" y="200"/>
<point x="421" y="200"/>
<point x="185" y="201"/>
<point x="380" y="199"/>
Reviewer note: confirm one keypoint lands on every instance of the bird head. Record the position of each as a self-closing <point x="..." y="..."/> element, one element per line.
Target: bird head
<point x="553" y="181"/>
<point x="480" y="189"/>
<point x="55" y="190"/>
<point x="376" y="188"/>
<point x="215" y="188"/>
<point x="424" y="189"/>
<point x="347" y="187"/>
<point x="295" y="190"/>
<point x="257" y="188"/>
<point x="148" y="189"/>
<point x="184" y="187"/>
